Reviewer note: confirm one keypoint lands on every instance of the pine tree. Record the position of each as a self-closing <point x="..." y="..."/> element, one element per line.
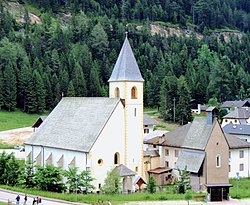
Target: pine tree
<point x="79" y="82"/>
<point x="151" y="186"/>
<point x="71" y="90"/>
<point x="1" y="90"/>
<point x="183" y="107"/>
<point x="9" y="87"/>
<point x="94" y="81"/>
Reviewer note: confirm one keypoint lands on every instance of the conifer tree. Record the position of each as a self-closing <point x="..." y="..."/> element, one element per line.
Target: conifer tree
<point x="183" y="108"/>
<point x="71" y="90"/>
<point x="9" y="87"/>
<point x="1" y="90"/>
<point x="79" y="81"/>
<point x="94" y="81"/>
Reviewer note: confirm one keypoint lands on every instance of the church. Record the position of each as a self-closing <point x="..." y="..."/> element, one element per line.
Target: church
<point x="97" y="133"/>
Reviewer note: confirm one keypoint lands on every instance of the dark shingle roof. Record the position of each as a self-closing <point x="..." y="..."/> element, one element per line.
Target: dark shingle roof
<point x="190" y="159"/>
<point x="238" y="113"/>
<point x="126" y="67"/>
<point x="75" y="123"/>
<point x="235" y="142"/>
<point x="147" y="120"/>
<point x="241" y="129"/>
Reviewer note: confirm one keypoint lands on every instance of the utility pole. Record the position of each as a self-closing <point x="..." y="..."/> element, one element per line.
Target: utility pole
<point x="174" y="109"/>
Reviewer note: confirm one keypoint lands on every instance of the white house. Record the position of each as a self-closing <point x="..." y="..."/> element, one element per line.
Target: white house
<point x="239" y="156"/>
<point x="238" y="116"/>
<point x="97" y="133"/>
<point x="148" y="124"/>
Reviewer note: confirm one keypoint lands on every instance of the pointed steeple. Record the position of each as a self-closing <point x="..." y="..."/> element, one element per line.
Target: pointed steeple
<point x="126" y="67"/>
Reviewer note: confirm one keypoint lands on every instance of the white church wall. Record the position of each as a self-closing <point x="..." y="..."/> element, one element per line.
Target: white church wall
<point x="68" y="155"/>
<point x="109" y="142"/>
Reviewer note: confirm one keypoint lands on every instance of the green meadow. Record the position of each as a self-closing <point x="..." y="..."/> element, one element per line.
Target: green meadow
<point x="17" y="119"/>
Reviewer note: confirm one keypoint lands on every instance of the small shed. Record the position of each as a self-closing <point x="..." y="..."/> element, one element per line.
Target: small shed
<point x="38" y="122"/>
<point x="218" y="192"/>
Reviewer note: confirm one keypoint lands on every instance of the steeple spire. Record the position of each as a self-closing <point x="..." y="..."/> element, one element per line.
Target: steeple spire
<point x="126" y="67"/>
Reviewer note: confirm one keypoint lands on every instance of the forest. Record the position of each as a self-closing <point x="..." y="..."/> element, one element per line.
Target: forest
<point x="74" y="54"/>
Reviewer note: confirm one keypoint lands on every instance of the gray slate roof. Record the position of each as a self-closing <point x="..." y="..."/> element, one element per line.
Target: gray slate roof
<point x="124" y="171"/>
<point x="240" y="129"/>
<point x="75" y="123"/>
<point x="147" y="120"/>
<point x="154" y="134"/>
<point x="151" y="153"/>
<point x="236" y="103"/>
<point x="198" y="134"/>
<point x="194" y="135"/>
<point x="238" y="113"/>
<point x="126" y="67"/>
<point x="235" y="142"/>
<point x="190" y="159"/>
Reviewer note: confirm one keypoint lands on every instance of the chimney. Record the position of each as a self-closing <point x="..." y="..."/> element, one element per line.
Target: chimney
<point x="212" y="112"/>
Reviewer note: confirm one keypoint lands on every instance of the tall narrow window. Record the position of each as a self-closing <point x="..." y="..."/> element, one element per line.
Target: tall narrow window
<point x="241" y="167"/>
<point x="117" y="92"/>
<point x="135" y="112"/>
<point x="117" y="158"/>
<point x="218" y="160"/>
<point x="241" y="153"/>
<point x="134" y="93"/>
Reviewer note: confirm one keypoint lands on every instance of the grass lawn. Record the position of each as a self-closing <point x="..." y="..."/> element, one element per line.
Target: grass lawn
<point x="243" y="188"/>
<point x="17" y="119"/>
<point x="114" y="199"/>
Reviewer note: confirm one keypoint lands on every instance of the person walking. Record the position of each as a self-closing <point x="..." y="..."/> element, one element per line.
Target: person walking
<point x="17" y="199"/>
<point x="34" y="202"/>
<point x="25" y="199"/>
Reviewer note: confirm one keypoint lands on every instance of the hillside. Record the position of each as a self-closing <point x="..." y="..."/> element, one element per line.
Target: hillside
<point x="73" y="52"/>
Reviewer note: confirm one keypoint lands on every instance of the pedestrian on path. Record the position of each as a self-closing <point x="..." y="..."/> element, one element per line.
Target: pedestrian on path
<point x="17" y="199"/>
<point x="34" y="202"/>
<point x="25" y="199"/>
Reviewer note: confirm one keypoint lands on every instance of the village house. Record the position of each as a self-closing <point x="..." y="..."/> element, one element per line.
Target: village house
<point x="201" y="148"/>
<point x="237" y="116"/>
<point x="98" y="133"/>
<point x="232" y="105"/>
<point x="239" y="156"/>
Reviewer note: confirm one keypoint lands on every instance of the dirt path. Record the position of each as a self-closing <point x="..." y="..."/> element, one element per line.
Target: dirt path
<point x="16" y="136"/>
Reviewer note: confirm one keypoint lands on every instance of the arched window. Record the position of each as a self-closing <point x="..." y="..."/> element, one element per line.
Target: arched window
<point x="117" y="92"/>
<point x="134" y="93"/>
<point x="117" y="158"/>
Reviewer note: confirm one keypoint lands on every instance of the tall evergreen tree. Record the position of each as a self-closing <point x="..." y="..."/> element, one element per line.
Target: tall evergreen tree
<point x="9" y="87"/>
<point x="183" y="107"/>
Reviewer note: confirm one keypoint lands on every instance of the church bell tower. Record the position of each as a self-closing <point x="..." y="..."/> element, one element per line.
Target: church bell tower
<point x="126" y="83"/>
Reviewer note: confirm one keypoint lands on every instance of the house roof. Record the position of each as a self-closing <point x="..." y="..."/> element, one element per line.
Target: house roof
<point x="154" y="134"/>
<point x="39" y="121"/>
<point x="75" y="123"/>
<point x="241" y="129"/>
<point x="235" y="142"/>
<point x="124" y="171"/>
<point x="192" y="160"/>
<point x="238" y="113"/>
<point x="198" y="134"/>
<point x="126" y="67"/>
<point x="151" y="153"/>
<point x="159" y="170"/>
<point x="173" y="139"/>
<point x="193" y="135"/>
<point x="236" y="103"/>
<point x="147" y="120"/>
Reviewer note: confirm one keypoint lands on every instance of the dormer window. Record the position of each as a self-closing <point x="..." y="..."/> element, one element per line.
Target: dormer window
<point x="117" y="92"/>
<point x="134" y="93"/>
